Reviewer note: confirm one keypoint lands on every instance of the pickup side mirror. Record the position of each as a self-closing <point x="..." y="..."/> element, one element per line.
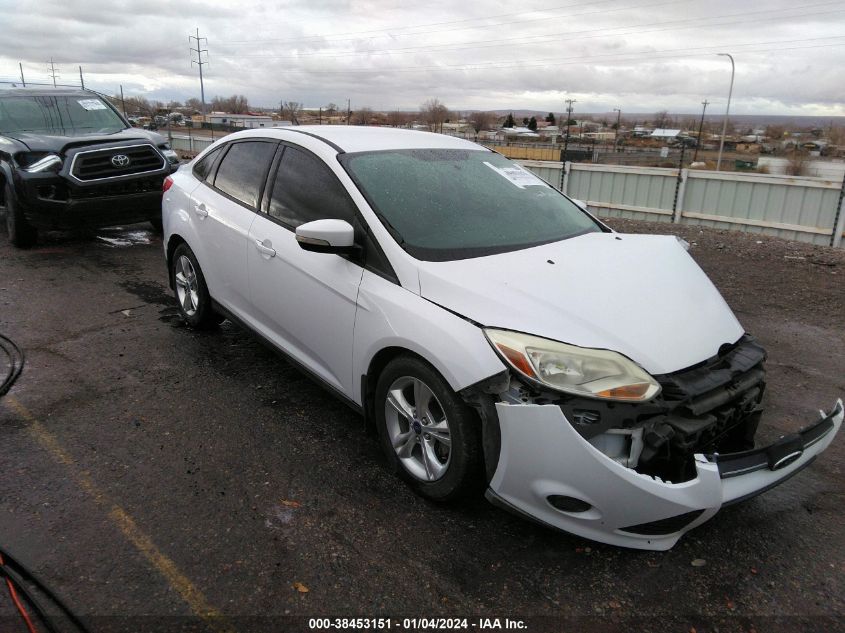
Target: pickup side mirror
<point x="327" y="236"/>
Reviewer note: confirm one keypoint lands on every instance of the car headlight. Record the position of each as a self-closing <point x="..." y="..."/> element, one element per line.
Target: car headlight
<point x="38" y="161"/>
<point x="580" y="371"/>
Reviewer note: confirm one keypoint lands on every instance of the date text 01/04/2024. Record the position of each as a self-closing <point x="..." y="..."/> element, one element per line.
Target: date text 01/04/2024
<point x="416" y="624"/>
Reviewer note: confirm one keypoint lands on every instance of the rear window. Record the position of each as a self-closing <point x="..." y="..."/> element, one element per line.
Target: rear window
<point x="243" y="170"/>
<point x="202" y="168"/>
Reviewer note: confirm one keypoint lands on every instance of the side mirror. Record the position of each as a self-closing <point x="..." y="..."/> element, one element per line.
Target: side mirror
<point x="327" y="236"/>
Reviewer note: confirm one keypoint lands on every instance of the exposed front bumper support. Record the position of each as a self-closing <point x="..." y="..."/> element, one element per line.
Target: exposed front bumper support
<point x="543" y="458"/>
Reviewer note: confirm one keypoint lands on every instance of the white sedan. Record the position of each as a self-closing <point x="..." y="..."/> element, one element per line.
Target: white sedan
<point x="494" y="331"/>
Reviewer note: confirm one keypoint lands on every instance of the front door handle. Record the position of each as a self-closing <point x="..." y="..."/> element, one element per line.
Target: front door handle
<point x="265" y="248"/>
<point x="201" y="210"/>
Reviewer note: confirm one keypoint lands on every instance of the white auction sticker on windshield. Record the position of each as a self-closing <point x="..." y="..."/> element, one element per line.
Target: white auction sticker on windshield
<point x="91" y="104"/>
<point x="517" y="175"/>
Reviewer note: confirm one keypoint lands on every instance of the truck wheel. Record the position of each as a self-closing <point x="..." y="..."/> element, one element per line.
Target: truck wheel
<point x="21" y="234"/>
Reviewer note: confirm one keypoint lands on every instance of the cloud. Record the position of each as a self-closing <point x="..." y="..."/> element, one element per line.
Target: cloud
<point x="640" y="55"/>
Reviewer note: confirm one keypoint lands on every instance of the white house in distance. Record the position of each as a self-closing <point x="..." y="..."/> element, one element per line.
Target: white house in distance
<point x="245" y="120"/>
<point x="663" y="133"/>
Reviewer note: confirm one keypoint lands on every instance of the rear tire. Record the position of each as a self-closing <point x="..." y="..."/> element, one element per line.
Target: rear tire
<point x="21" y="233"/>
<point x="431" y="438"/>
<point x="192" y="298"/>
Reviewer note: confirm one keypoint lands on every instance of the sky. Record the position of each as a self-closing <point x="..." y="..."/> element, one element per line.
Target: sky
<point x="637" y="55"/>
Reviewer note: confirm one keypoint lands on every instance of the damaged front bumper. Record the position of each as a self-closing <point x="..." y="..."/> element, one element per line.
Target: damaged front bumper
<point x="550" y="473"/>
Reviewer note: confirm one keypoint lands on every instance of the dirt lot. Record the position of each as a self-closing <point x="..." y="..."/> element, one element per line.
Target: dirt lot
<point x="159" y="477"/>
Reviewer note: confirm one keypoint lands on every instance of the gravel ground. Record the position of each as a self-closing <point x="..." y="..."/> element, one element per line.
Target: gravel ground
<point x="165" y="471"/>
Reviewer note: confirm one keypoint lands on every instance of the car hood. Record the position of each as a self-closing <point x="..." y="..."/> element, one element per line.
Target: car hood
<point x="59" y="143"/>
<point x="640" y="295"/>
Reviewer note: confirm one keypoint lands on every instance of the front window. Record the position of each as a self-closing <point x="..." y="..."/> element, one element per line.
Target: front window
<point x="445" y="204"/>
<point x="64" y="115"/>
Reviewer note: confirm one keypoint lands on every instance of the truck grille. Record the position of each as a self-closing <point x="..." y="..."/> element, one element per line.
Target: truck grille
<point x="101" y="164"/>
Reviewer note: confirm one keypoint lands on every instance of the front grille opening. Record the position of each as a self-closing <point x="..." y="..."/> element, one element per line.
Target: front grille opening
<point x="120" y="188"/>
<point x="664" y="526"/>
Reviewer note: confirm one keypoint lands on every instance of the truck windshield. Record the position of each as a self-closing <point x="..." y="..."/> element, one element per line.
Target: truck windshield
<point x="445" y="204"/>
<point x="60" y="115"/>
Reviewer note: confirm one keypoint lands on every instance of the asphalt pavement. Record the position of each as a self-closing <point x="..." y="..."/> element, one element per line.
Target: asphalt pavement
<point x="162" y="478"/>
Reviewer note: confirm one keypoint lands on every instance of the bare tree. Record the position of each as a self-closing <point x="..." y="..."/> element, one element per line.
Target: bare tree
<point x="290" y="110"/>
<point x="331" y="109"/>
<point x="193" y="104"/>
<point x="482" y="121"/>
<point x="236" y="104"/>
<point x="662" y="119"/>
<point x="398" y="119"/>
<point x="434" y="114"/>
<point x="362" y="116"/>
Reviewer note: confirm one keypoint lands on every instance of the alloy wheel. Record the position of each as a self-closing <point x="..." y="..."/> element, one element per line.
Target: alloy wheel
<point x="418" y="428"/>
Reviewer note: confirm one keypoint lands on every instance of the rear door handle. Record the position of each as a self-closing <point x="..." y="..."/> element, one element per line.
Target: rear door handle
<point x="265" y="248"/>
<point x="201" y="210"/>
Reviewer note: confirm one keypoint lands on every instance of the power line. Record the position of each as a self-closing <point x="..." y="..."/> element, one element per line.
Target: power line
<point x="392" y="31"/>
<point x="682" y="24"/>
<point x="199" y="50"/>
<point x="648" y="56"/>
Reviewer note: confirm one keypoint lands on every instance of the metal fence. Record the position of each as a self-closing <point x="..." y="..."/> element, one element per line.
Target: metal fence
<point x="791" y="207"/>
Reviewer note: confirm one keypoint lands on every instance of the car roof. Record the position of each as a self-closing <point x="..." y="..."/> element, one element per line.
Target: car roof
<point x="46" y="92"/>
<point x="354" y="138"/>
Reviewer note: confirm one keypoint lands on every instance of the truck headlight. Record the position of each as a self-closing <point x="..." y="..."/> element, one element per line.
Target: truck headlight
<point x="36" y="162"/>
<point x="580" y="371"/>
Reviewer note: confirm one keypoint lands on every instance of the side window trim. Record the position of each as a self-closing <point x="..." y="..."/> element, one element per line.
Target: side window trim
<point x="219" y="160"/>
<point x="270" y="181"/>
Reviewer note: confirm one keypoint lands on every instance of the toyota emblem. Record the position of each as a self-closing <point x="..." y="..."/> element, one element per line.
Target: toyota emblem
<point x="120" y="160"/>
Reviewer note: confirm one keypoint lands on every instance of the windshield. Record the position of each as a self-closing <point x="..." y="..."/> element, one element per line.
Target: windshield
<point x="453" y="204"/>
<point x="60" y="115"/>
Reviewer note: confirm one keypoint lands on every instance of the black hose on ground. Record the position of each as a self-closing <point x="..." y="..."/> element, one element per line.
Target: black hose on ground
<point x="15" y="364"/>
<point x="20" y="577"/>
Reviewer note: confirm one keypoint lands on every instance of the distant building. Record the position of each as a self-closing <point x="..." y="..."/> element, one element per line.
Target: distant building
<point x="245" y="120"/>
<point x="665" y="133"/>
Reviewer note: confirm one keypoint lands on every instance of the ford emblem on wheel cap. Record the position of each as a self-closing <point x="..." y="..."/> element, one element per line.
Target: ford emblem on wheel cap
<point x="120" y="160"/>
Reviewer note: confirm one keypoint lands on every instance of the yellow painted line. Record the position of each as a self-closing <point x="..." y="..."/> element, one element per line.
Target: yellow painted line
<point x="126" y="524"/>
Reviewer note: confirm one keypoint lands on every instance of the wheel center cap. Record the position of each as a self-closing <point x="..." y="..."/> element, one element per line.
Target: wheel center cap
<point x="417" y="427"/>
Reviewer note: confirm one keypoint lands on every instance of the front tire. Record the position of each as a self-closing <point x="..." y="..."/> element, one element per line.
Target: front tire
<point x="192" y="298"/>
<point x="431" y="438"/>
<point x="21" y="233"/>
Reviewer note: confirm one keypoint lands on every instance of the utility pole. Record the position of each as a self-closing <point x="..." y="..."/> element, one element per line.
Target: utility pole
<point x="23" y="81"/>
<point x="569" y="103"/>
<point x="348" y="110"/>
<point x="320" y="116"/>
<point x="618" y="112"/>
<point x="81" y="80"/>
<point x="705" y="103"/>
<point x="727" y="109"/>
<point x="199" y="50"/>
<point x="53" y="72"/>
<point x="122" y="101"/>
